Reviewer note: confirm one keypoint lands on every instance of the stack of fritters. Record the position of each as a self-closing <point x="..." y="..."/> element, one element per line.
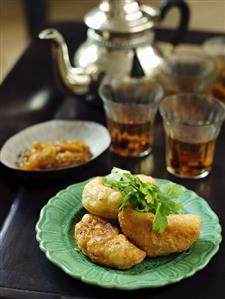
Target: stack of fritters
<point x="103" y="243"/>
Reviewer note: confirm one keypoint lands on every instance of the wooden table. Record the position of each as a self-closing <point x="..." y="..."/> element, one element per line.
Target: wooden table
<point x="29" y="95"/>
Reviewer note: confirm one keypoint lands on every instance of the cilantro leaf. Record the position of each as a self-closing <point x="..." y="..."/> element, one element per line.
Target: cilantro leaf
<point x="160" y="221"/>
<point x="171" y="190"/>
<point x="146" y="197"/>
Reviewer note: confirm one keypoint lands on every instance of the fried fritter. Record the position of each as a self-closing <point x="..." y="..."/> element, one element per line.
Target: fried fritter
<point x="181" y="232"/>
<point x="146" y="179"/>
<point x="104" y="245"/>
<point x="102" y="200"/>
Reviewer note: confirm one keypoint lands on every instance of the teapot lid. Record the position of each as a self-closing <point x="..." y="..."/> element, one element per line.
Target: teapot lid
<point x="121" y="16"/>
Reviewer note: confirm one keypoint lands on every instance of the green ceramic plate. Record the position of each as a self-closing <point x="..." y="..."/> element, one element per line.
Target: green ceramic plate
<point x="55" y="235"/>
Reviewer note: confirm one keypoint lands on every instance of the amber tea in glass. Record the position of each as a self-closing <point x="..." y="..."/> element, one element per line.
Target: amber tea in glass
<point x="130" y="106"/>
<point x="189" y="159"/>
<point x="218" y="87"/>
<point x="131" y="139"/>
<point x="192" y="123"/>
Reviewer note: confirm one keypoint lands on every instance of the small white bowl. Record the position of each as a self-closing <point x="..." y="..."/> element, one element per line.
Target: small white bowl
<point x="93" y="134"/>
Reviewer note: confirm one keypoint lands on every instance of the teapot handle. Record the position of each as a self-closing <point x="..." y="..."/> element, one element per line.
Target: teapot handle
<point x="184" y="10"/>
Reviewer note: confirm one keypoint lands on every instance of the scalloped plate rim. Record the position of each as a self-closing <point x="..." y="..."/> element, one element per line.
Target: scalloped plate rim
<point x="125" y="286"/>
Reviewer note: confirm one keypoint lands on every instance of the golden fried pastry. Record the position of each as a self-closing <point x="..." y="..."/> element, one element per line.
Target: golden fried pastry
<point x="181" y="232"/>
<point x="101" y="200"/>
<point x="104" y="245"/>
<point x="146" y="179"/>
<point x="104" y="201"/>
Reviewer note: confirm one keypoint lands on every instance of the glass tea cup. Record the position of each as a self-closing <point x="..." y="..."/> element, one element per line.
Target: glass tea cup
<point x="215" y="49"/>
<point x="191" y="123"/>
<point x="130" y="105"/>
<point x="187" y="72"/>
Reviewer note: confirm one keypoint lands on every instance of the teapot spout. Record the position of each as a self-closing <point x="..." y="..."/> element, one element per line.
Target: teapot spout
<point x="73" y="78"/>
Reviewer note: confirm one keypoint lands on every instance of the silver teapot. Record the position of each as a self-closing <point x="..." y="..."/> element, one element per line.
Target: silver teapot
<point x="120" y="41"/>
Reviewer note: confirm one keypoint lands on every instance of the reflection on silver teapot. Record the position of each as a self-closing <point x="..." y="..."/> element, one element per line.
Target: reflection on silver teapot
<point x="120" y="41"/>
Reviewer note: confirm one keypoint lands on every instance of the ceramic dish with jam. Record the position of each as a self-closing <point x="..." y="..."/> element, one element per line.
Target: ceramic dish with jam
<point x="93" y="135"/>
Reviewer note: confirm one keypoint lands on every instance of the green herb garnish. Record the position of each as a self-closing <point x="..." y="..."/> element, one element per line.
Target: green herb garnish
<point x="145" y="197"/>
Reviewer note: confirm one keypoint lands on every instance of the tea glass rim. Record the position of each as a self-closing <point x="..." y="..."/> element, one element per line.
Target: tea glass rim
<point x="106" y="100"/>
<point x="208" y="72"/>
<point x="184" y="124"/>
